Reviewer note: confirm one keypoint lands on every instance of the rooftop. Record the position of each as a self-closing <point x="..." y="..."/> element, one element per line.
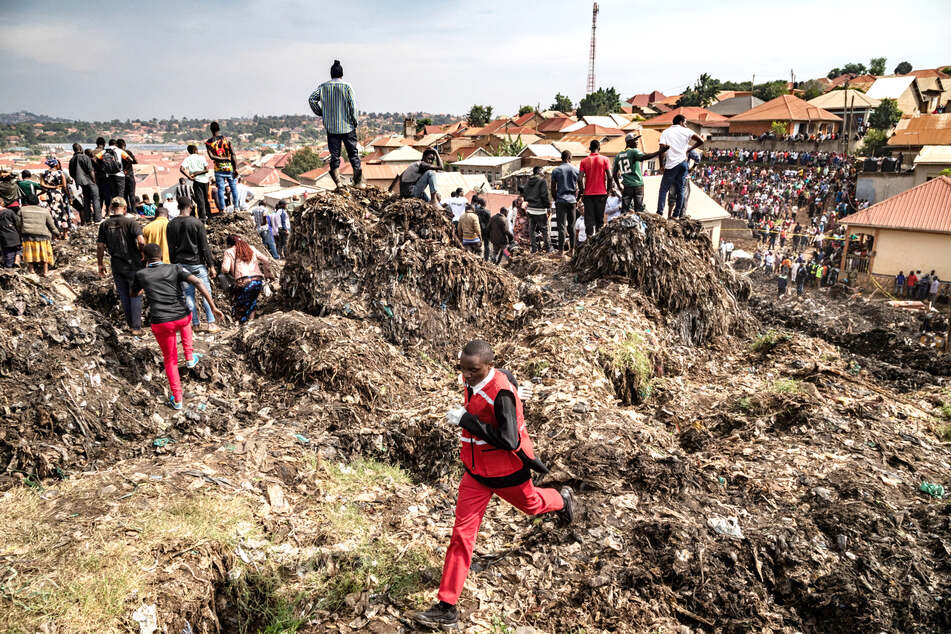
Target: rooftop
<point x="926" y="207"/>
<point x="486" y="161"/>
<point x="926" y="129"/>
<point x="840" y="99"/>
<point x="404" y="153"/>
<point x="890" y="87"/>
<point x="934" y="155"/>
<point x="694" y="114"/>
<point x="735" y="105"/>
<point x="786" y="108"/>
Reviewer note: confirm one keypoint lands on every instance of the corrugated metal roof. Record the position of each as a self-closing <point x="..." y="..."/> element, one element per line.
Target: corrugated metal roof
<point x="786" y="108"/>
<point x="934" y="155"/>
<point x="542" y="149"/>
<point x="841" y="99"/>
<point x="926" y="207"/>
<point x="693" y="114"/>
<point x="926" y="129"/>
<point x="486" y="161"/>
<point x="404" y="153"/>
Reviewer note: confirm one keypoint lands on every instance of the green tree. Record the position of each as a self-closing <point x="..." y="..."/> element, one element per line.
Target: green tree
<point x="284" y="137"/>
<point x="945" y="172"/>
<point x="853" y="68"/>
<point x="510" y="146"/>
<point x="903" y="68"/>
<point x="876" y="66"/>
<point x="779" y="128"/>
<point x="811" y="89"/>
<point x="525" y="110"/>
<point x="479" y="115"/>
<point x="303" y="160"/>
<point x="703" y="93"/>
<point x="422" y="123"/>
<point x="873" y="143"/>
<point x="562" y="104"/>
<point x="770" y="90"/>
<point x="601" y="102"/>
<point x="885" y="116"/>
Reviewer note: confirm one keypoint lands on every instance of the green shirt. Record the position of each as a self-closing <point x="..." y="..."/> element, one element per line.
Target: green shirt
<point x="628" y="164"/>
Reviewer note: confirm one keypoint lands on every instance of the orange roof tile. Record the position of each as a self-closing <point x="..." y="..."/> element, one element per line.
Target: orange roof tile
<point x="926" y="207"/>
<point x="555" y="125"/>
<point x="926" y="129"/>
<point x="694" y="114"/>
<point x="786" y="108"/>
<point x="597" y="130"/>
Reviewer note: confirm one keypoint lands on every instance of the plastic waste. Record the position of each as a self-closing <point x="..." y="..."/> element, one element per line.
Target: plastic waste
<point x="728" y="526"/>
<point x="934" y="490"/>
<point x="161" y="442"/>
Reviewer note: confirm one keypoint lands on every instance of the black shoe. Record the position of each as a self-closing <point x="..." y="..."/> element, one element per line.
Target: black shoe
<point x="567" y="513"/>
<point x="442" y="616"/>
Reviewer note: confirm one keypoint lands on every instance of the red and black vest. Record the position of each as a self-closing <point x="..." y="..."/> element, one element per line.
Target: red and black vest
<point x="489" y="464"/>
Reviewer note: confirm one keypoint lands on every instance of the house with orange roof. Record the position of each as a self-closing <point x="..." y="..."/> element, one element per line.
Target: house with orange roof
<point x="800" y="116"/>
<point x="913" y="133"/>
<point x="908" y="230"/>
<point x="700" y="120"/>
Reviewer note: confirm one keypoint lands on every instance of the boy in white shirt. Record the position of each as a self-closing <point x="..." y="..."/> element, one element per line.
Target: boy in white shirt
<point x="580" y="235"/>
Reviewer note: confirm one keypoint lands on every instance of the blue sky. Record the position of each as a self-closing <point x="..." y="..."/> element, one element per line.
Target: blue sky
<point x="105" y="59"/>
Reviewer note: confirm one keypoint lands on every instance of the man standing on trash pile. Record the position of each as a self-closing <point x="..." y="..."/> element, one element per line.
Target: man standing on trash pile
<point x="539" y="202"/>
<point x="628" y="175"/>
<point x="169" y="316"/>
<point x="469" y="231"/>
<point x="333" y="101"/>
<point x="188" y="246"/>
<point x="498" y="458"/>
<point x="675" y="144"/>
<point x="122" y="236"/>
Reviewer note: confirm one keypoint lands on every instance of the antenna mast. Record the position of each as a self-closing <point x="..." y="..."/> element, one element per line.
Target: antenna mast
<point x="594" y="26"/>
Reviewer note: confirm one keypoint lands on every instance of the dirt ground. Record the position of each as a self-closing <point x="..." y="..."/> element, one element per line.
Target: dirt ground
<point x="739" y="468"/>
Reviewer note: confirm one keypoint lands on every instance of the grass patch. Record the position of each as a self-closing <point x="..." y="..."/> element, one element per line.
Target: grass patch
<point x="536" y="367"/>
<point x="745" y="404"/>
<point x="80" y="568"/>
<point x="944" y="433"/>
<point x="785" y="386"/>
<point x="767" y="341"/>
<point x="629" y="366"/>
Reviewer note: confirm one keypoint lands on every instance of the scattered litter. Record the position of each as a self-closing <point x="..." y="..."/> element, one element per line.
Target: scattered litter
<point x="147" y="617"/>
<point x="728" y="526"/>
<point x="934" y="490"/>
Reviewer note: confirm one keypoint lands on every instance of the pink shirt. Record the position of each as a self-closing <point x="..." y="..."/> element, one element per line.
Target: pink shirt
<point x="243" y="269"/>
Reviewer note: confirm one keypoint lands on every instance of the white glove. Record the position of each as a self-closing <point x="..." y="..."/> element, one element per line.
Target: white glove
<point x="454" y="416"/>
<point x="525" y="392"/>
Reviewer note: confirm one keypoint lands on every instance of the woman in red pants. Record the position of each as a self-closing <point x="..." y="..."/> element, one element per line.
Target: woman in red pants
<point x="498" y="457"/>
<point x="168" y="313"/>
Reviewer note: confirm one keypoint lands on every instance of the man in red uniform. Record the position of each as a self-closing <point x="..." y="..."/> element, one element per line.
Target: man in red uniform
<point x="498" y="457"/>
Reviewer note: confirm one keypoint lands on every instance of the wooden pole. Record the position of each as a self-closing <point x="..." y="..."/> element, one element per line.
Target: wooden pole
<point x="947" y="337"/>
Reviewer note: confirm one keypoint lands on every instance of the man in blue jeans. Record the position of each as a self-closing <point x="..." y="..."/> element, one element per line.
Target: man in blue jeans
<point x="188" y="246"/>
<point x="675" y="144"/>
<point x="121" y="236"/>
<point x="221" y="152"/>
<point x="419" y="177"/>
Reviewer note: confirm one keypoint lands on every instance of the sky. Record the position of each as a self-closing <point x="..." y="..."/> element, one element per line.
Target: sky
<point x="107" y="60"/>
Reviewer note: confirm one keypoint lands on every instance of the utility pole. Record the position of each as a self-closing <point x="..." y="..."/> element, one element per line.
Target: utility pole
<point x="594" y="26"/>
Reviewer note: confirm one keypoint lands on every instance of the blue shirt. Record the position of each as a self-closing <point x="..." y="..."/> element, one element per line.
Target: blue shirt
<point x="565" y="177"/>
<point x="333" y="100"/>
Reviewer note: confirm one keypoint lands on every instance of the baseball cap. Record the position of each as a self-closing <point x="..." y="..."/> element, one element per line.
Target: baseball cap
<point x="169" y="196"/>
<point x="632" y="137"/>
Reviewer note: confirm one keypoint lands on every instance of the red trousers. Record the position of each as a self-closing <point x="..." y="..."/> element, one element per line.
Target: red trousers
<point x="470" y="507"/>
<point x="166" y="335"/>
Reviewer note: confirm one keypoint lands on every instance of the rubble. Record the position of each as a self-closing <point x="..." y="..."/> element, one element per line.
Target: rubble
<point x="673" y="264"/>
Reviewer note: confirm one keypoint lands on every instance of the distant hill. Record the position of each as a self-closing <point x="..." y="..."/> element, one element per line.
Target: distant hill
<point x="23" y="116"/>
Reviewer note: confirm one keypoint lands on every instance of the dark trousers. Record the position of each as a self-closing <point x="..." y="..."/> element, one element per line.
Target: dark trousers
<point x="117" y="188"/>
<point x="594" y="214"/>
<point x="200" y="196"/>
<point x="130" y="193"/>
<point x="565" y="217"/>
<point x="674" y="178"/>
<point x="632" y="197"/>
<point x="92" y="207"/>
<point x="104" y="185"/>
<point x="131" y="306"/>
<point x="538" y="222"/>
<point x="349" y="140"/>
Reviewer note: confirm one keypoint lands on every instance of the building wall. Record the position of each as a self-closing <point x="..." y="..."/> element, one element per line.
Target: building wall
<point x="876" y="186"/>
<point x="903" y="250"/>
<point x="908" y="101"/>
<point x="924" y="173"/>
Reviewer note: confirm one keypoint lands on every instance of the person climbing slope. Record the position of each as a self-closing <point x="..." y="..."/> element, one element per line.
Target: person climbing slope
<point x="498" y="458"/>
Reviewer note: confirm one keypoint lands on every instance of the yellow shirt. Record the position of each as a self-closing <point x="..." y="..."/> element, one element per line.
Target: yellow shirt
<point x="154" y="233"/>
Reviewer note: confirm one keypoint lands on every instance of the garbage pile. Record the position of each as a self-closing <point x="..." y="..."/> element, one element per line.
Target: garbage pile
<point x="398" y="264"/>
<point x="672" y="263"/>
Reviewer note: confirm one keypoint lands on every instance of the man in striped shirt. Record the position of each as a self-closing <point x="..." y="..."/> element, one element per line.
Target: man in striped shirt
<point x="333" y="100"/>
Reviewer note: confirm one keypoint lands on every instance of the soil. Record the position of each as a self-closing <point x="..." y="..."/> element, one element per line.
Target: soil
<point x="724" y="484"/>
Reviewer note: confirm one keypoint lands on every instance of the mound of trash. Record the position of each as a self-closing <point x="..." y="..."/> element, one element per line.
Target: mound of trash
<point x="673" y="264"/>
<point x="400" y="265"/>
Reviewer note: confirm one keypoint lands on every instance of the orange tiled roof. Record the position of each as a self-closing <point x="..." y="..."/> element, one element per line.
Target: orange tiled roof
<point x="694" y="114"/>
<point x="597" y="130"/>
<point x="926" y="207"/>
<point x="786" y="108"/>
<point x="555" y="125"/>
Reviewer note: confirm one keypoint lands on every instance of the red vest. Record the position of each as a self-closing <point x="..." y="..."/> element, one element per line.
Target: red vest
<point x="481" y="458"/>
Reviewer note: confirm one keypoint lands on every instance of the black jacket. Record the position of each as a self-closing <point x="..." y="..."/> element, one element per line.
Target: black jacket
<point x="9" y="235"/>
<point x="187" y="242"/>
<point x="536" y="193"/>
<point x="82" y="170"/>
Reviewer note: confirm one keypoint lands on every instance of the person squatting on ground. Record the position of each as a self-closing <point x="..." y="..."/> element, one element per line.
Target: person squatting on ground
<point x="675" y="144"/>
<point x="249" y="268"/>
<point x="169" y="316"/>
<point x="498" y="457"/>
<point x="419" y="176"/>
<point x="122" y="237"/>
<point x="333" y="101"/>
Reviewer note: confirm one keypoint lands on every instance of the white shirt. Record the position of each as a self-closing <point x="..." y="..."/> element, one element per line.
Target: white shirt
<point x="935" y="285"/>
<point x="172" y="208"/>
<point x="579" y="230"/>
<point x="196" y="163"/>
<point x="458" y="207"/>
<point x="612" y="209"/>
<point x="244" y="193"/>
<point x="677" y="139"/>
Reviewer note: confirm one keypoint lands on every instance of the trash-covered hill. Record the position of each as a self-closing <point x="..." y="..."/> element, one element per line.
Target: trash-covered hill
<point x="732" y="477"/>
